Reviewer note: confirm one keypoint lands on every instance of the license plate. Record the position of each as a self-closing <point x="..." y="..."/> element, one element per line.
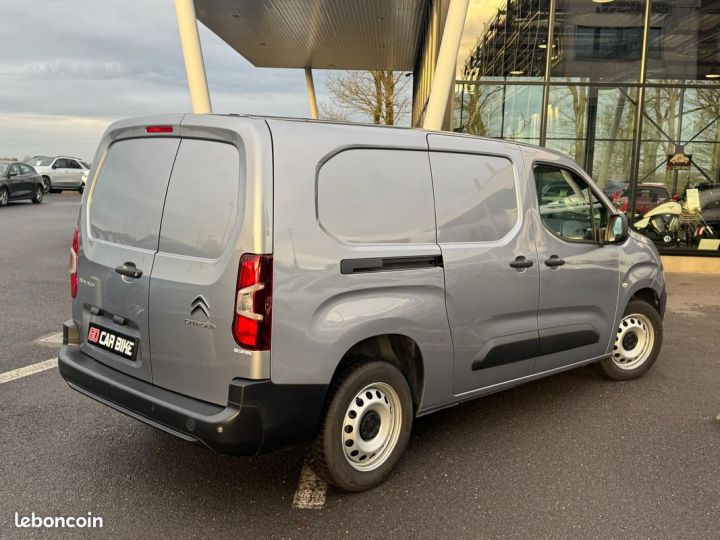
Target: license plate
<point x="113" y="342"/>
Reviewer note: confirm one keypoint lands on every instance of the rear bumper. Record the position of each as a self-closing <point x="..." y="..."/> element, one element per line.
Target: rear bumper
<point x="260" y="416"/>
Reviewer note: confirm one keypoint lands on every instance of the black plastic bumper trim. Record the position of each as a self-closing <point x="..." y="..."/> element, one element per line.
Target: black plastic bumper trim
<point x="260" y="416"/>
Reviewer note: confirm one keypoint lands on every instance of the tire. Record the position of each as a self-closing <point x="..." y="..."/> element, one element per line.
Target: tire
<point x="4" y="196"/>
<point x="637" y="344"/>
<point x="46" y="184"/>
<point x="39" y="194"/>
<point x="355" y="425"/>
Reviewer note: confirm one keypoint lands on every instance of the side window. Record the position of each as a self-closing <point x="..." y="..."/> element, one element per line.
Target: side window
<point x="60" y="164"/>
<point x="475" y="197"/>
<point x="25" y="169"/>
<point x="368" y="195"/>
<point x="72" y="164"/>
<point x="14" y="169"/>
<point x="202" y="204"/>
<point x="568" y="207"/>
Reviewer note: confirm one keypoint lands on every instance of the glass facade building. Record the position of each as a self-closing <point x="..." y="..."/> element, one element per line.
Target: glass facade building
<point x="628" y="89"/>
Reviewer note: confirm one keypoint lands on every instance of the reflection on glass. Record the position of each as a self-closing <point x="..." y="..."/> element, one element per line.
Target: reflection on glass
<point x="566" y="120"/>
<point x="503" y="39"/>
<point x="597" y="41"/>
<point x="687" y="40"/>
<point x="507" y="112"/>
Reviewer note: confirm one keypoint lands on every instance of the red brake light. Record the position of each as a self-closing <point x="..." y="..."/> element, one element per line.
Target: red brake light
<point x="74" y="250"/>
<point x="253" y="303"/>
<point x="159" y="129"/>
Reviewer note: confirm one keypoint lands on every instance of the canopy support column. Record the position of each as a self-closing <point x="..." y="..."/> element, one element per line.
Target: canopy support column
<point x="192" y="53"/>
<point x="312" y="100"/>
<point x="444" y="76"/>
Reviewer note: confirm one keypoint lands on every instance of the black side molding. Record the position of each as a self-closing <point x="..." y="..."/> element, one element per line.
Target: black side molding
<point x="531" y="344"/>
<point x="564" y="338"/>
<point x="386" y="264"/>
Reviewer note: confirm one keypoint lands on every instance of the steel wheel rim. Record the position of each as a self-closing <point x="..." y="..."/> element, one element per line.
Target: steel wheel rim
<point x="371" y="426"/>
<point x="39" y="194"/>
<point x="634" y="341"/>
<point x="46" y="185"/>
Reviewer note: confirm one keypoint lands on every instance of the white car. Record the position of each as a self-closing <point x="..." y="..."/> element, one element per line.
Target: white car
<point x="61" y="172"/>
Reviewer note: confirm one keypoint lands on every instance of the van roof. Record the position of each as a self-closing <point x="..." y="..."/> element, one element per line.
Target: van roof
<point x="406" y="128"/>
<point x="179" y="118"/>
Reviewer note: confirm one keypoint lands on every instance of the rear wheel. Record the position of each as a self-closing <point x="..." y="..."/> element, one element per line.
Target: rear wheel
<point x="637" y="343"/>
<point x="46" y="184"/>
<point x="366" y="427"/>
<point x="4" y="196"/>
<point x="39" y="194"/>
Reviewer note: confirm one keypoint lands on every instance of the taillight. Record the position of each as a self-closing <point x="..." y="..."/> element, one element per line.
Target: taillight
<point x="74" y="249"/>
<point x="253" y="302"/>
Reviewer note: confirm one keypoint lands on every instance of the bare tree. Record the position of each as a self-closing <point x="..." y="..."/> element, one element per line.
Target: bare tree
<point x="379" y="96"/>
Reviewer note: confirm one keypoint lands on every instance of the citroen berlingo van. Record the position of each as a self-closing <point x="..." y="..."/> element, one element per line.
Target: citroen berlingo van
<point x="246" y="282"/>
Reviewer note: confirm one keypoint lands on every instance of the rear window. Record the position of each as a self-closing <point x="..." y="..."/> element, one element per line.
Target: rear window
<point x="202" y="202"/>
<point x="475" y="196"/>
<point x="127" y="198"/>
<point x="377" y="196"/>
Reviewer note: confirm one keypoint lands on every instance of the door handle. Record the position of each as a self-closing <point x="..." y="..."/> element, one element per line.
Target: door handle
<point x="129" y="270"/>
<point x="554" y="261"/>
<point x="521" y="262"/>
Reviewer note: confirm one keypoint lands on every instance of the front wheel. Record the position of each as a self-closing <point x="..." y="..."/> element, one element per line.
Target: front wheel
<point x="637" y="343"/>
<point x="46" y="184"/>
<point x="366" y="427"/>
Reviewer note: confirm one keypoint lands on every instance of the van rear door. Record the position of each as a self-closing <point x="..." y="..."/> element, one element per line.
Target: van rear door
<point x="218" y="206"/>
<point x="119" y="239"/>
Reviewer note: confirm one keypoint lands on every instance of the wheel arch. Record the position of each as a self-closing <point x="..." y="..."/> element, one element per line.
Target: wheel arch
<point x="399" y="350"/>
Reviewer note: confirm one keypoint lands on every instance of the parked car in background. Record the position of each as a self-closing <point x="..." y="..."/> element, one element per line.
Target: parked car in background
<point x="19" y="181"/>
<point x="60" y="173"/>
<point x="614" y="191"/>
<point x="648" y="197"/>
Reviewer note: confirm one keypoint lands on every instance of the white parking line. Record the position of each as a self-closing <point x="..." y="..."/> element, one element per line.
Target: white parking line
<point x="311" y="490"/>
<point x="27" y="370"/>
<point x="53" y="339"/>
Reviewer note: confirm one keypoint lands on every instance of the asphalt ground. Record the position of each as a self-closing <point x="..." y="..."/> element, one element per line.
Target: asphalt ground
<point x="570" y="456"/>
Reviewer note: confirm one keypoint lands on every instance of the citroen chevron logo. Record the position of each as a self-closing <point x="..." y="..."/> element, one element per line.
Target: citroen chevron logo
<point x="200" y="304"/>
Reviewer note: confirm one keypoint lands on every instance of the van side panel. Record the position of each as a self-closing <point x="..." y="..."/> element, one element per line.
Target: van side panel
<point x="329" y="293"/>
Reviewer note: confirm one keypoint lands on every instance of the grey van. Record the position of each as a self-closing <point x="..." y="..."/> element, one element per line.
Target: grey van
<point x="246" y="282"/>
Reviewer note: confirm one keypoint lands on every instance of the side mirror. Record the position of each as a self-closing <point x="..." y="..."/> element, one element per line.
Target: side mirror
<point x="55" y="166"/>
<point x="617" y="230"/>
<point x="12" y="173"/>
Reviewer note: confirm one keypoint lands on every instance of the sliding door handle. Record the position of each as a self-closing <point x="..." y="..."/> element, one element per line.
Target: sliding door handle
<point x="554" y="261"/>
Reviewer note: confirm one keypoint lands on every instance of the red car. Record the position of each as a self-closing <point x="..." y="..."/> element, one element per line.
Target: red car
<point x="648" y="197"/>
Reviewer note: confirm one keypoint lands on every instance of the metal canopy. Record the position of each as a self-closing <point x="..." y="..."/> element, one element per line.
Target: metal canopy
<point x="323" y="34"/>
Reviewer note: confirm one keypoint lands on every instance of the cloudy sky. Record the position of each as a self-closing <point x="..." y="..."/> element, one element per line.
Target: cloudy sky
<point x="69" y="67"/>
